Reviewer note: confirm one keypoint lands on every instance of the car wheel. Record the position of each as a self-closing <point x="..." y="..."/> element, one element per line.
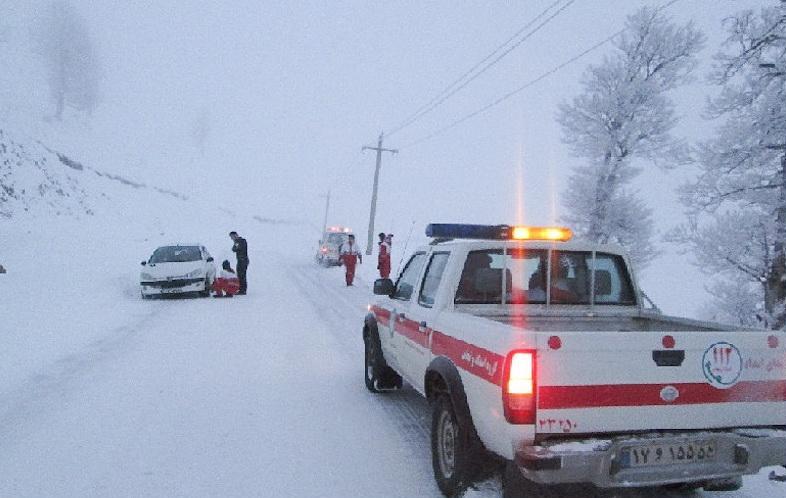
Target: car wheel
<point x="450" y="448"/>
<point x="206" y="292"/>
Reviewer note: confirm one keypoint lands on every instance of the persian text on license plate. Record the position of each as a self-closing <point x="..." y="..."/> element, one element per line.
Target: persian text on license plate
<point x="667" y="454"/>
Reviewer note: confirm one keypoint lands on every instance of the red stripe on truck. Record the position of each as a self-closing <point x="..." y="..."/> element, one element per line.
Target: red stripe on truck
<point x="489" y="366"/>
<point x="478" y="361"/>
<point x="565" y="397"/>
<point x="382" y="315"/>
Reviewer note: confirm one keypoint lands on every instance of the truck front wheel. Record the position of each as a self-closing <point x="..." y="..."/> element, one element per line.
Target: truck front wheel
<point x="371" y="360"/>
<point x="450" y="448"/>
<point x="378" y="375"/>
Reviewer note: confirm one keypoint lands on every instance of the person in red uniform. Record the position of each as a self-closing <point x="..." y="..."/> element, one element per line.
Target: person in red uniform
<point x="383" y="260"/>
<point x="349" y="255"/>
<point x="226" y="283"/>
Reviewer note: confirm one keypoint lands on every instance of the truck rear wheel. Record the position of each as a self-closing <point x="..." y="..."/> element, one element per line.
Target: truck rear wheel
<point x="450" y="448"/>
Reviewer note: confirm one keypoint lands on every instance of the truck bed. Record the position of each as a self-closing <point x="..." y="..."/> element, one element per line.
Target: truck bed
<point x="596" y="321"/>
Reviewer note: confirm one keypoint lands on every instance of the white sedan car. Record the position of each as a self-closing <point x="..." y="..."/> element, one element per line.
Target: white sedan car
<point x="178" y="269"/>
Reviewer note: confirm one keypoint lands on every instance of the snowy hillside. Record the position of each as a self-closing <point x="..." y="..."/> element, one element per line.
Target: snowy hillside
<point x="72" y="235"/>
<point x="36" y="179"/>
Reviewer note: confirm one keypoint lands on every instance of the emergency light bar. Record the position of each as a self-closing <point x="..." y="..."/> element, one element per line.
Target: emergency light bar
<point x="497" y="232"/>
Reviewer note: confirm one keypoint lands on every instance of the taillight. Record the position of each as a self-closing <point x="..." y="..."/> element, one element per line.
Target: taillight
<point x="518" y="388"/>
<point x="324" y="249"/>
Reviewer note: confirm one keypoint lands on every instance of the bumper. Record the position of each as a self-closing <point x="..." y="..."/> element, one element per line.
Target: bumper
<point x="328" y="259"/>
<point x="161" y="288"/>
<point x="599" y="461"/>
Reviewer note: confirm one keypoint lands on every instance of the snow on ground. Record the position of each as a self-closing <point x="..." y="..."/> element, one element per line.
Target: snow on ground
<point x="103" y="394"/>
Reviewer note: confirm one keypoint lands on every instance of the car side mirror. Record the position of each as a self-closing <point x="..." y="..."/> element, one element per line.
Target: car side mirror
<point x="210" y="259"/>
<point x="383" y="287"/>
<point x="144" y="263"/>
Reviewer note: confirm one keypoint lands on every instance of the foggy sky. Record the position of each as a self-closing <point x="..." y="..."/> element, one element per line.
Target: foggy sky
<point x="294" y="89"/>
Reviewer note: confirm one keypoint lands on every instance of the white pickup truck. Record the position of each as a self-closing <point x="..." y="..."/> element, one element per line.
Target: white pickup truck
<point x="539" y="350"/>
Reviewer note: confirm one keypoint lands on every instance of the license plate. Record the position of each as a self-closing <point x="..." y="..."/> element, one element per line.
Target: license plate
<point x="172" y="291"/>
<point x="668" y="454"/>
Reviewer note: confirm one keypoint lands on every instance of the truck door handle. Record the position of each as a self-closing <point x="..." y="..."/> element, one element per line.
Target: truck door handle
<point x="423" y="326"/>
<point x="402" y="317"/>
<point x="668" y="357"/>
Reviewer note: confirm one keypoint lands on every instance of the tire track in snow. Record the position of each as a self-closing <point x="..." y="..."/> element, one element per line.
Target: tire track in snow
<point x="344" y="319"/>
<point x="32" y="396"/>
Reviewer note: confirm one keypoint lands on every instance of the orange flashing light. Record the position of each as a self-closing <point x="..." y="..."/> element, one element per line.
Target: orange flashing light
<point x="560" y="234"/>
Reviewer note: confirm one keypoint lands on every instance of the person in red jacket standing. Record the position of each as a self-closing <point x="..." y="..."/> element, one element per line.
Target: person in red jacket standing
<point x="350" y="255"/>
<point x="383" y="261"/>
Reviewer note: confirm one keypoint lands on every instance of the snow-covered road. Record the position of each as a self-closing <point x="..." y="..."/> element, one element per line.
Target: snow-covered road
<point x="259" y="395"/>
<point x="254" y="396"/>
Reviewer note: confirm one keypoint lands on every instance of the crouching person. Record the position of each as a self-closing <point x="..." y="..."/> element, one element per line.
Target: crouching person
<point x="226" y="283"/>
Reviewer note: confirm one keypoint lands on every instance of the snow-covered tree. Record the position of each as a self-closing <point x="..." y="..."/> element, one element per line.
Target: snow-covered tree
<point x="735" y="250"/>
<point x="744" y="167"/>
<point x="72" y="67"/>
<point x="624" y="114"/>
<point x="734" y="303"/>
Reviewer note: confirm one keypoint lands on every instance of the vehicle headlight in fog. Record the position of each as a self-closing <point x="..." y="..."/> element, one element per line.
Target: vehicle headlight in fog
<point x="147" y="277"/>
<point x="195" y="274"/>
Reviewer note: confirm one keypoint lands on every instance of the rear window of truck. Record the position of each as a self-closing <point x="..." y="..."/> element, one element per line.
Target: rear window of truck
<point x="519" y="276"/>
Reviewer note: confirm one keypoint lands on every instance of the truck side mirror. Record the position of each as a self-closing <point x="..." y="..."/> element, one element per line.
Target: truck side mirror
<point x="210" y="259"/>
<point x="383" y="287"/>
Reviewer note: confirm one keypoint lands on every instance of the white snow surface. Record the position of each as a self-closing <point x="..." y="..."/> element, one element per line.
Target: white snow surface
<point x="103" y="394"/>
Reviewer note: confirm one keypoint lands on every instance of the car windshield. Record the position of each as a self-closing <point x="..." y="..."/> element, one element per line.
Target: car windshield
<point x="176" y="254"/>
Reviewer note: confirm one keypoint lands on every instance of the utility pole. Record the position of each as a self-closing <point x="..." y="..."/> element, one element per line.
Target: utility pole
<point x="373" y="213"/>
<point x="327" y="207"/>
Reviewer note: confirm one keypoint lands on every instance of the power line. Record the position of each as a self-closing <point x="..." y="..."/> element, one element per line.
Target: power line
<point x="462" y="81"/>
<point x="520" y="89"/>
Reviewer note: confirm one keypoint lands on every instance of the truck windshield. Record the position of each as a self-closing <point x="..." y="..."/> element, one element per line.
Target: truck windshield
<point x="541" y="277"/>
<point x="336" y="239"/>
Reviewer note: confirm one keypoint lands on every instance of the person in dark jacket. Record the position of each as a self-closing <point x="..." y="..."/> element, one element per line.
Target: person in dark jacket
<point x="240" y="248"/>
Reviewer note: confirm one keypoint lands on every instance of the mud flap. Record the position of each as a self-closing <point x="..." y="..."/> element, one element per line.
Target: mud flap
<point x="730" y="484"/>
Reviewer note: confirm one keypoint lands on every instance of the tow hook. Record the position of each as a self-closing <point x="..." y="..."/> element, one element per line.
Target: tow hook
<point x="741" y="454"/>
<point x="379" y="387"/>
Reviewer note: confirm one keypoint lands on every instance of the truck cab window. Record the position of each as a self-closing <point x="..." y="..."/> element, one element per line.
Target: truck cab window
<point x="432" y="278"/>
<point x="481" y="279"/>
<point x="570" y="277"/>
<point x="409" y="277"/>
<point x="612" y="282"/>
<point x="528" y="276"/>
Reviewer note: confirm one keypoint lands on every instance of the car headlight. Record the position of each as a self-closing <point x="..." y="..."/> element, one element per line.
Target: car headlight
<point x="147" y="276"/>
<point x="196" y="273"/>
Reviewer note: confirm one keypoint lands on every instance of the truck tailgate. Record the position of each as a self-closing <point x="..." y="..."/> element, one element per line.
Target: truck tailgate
<point x="612" y="382"/>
